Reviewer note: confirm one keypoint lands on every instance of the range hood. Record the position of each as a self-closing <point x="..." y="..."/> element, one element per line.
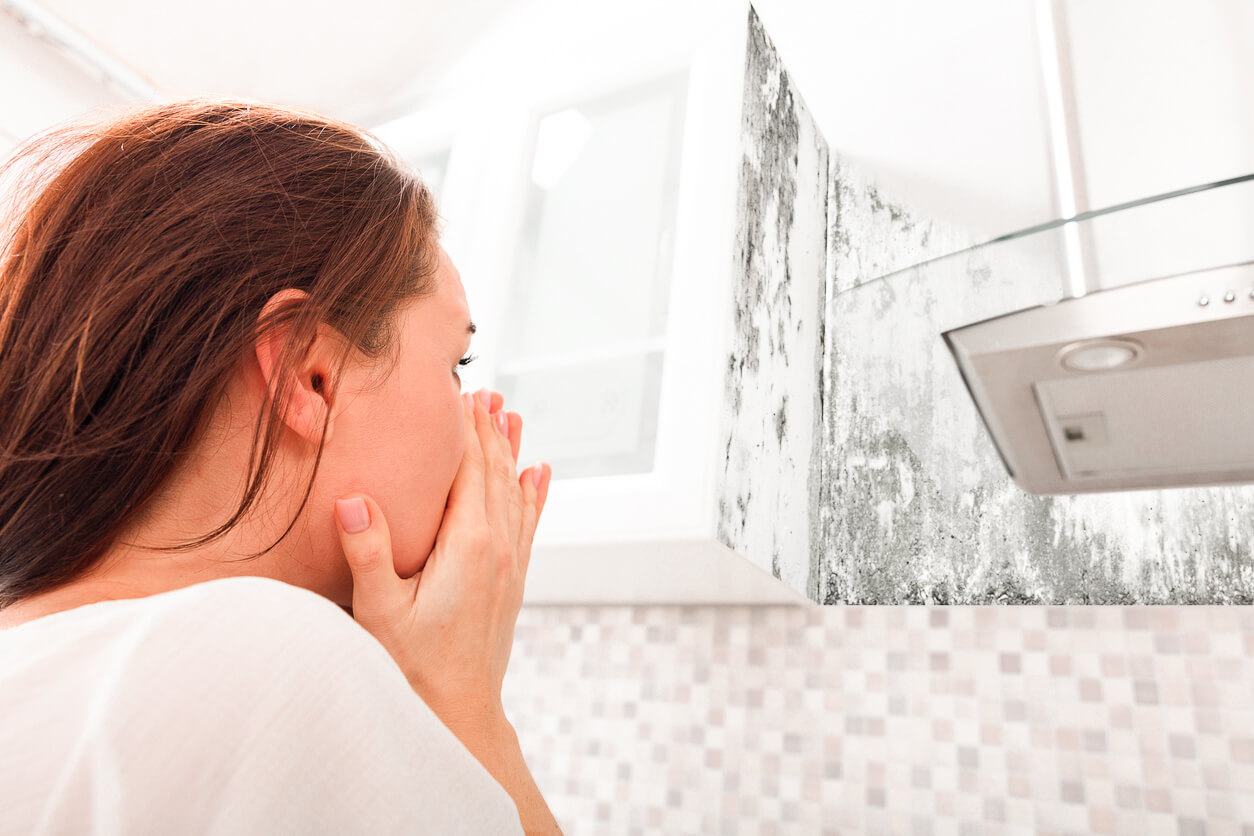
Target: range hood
<point x="1146" y="385"/>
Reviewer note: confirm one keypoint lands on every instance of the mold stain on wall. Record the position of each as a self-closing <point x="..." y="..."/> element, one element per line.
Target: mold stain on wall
<point x="857" y="470"/>
<point x="920" y="507"/>
<point x="773" y="373"/>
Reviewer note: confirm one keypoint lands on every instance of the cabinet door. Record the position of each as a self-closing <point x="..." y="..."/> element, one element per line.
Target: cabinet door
<point x="591" y="212"/>
<point x="584" y="342"/>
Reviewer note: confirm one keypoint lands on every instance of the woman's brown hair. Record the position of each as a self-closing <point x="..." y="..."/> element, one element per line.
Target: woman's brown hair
<point x="133" y="267"/>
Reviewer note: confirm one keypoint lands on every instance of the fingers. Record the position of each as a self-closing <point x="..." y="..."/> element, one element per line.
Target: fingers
<point x="545" y="479"/>
<point x="530" y="516"/>
<point x="466" y="496"/>
<point x="515" y="434"/>
<point x="512" y="438"/>
<point x="502" y="495"/>
<point x="536" y="496"/>
<point x="367" y="547"/>
<point x="514" y="428"/>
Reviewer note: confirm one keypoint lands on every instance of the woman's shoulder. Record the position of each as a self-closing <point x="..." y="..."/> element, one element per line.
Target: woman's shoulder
<point x="251" y="619"/>
<point x="251" y="594"/>
<point x="286" y="680"/>
<point x="258" y="620"/>
<point x="242" y="630"/>
<point x="246" y="702"/>
<point x="256" y="598"/>
<point x="209" y="665"/>
<point x="254" y="588"/>
<point x="254" y="623"/>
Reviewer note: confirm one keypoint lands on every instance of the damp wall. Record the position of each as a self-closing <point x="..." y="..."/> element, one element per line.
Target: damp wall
<point x="853" y="468"/>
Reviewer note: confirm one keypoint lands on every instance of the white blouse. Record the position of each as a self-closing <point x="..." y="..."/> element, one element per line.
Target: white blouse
<point x="240" y="705"/>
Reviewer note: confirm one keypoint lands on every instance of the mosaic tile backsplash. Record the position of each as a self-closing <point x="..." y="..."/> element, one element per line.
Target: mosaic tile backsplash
<point x="889" y="719"/>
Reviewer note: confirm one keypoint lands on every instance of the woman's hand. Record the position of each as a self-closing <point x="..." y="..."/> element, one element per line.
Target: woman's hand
<point x="450" y="627"/>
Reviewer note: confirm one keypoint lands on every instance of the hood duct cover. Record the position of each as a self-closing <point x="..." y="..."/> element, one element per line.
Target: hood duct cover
<point x="1147" y="385"/>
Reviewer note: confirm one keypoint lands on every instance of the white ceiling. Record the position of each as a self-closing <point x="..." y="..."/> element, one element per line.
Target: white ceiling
<point x="360" y="61"/>
<point x="942" y="102"/>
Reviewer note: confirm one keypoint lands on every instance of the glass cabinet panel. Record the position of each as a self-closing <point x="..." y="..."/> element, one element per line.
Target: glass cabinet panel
<point x="583" y="345"/>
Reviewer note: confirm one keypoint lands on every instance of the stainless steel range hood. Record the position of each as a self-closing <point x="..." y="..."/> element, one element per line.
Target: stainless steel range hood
<point x="1147" y="385"/>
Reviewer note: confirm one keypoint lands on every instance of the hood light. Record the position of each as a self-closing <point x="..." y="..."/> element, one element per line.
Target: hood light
<point x="1099" y="356"/>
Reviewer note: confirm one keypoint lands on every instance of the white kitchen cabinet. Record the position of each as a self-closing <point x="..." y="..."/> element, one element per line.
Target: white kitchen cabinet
<point x="590" y="205"/>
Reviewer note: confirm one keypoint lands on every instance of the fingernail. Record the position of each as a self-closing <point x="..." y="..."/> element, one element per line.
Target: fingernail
<point x="537" y="473"/>
<point x="485" y="398"/>
<point x="353" y="514"/>
<point x="468" y="401"/>
<point x="502" y="422"/>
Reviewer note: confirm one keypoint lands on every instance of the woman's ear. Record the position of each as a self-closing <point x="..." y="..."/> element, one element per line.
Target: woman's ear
<point x="308" y="398"/>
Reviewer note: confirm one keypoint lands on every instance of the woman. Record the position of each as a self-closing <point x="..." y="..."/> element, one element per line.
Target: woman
<point x="229" y="340"/>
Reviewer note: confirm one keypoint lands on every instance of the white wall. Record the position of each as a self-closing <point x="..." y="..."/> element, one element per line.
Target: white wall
<point x="1165" y="93"/>
<point x="39" y="87"/>
<point x="940" y="102"/>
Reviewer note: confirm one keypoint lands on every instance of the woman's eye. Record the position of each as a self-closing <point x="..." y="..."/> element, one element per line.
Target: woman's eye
<point x="466" y="361"/>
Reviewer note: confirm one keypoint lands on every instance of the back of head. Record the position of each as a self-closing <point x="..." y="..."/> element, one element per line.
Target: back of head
<point x="137" y="253"/>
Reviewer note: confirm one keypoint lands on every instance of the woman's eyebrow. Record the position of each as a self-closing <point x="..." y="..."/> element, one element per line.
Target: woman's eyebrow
<point x="470" y="329"/>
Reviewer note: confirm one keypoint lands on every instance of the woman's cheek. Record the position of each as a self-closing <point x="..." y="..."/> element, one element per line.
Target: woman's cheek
<point x="458" y="448"/>
<point x="457" y="433"/>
